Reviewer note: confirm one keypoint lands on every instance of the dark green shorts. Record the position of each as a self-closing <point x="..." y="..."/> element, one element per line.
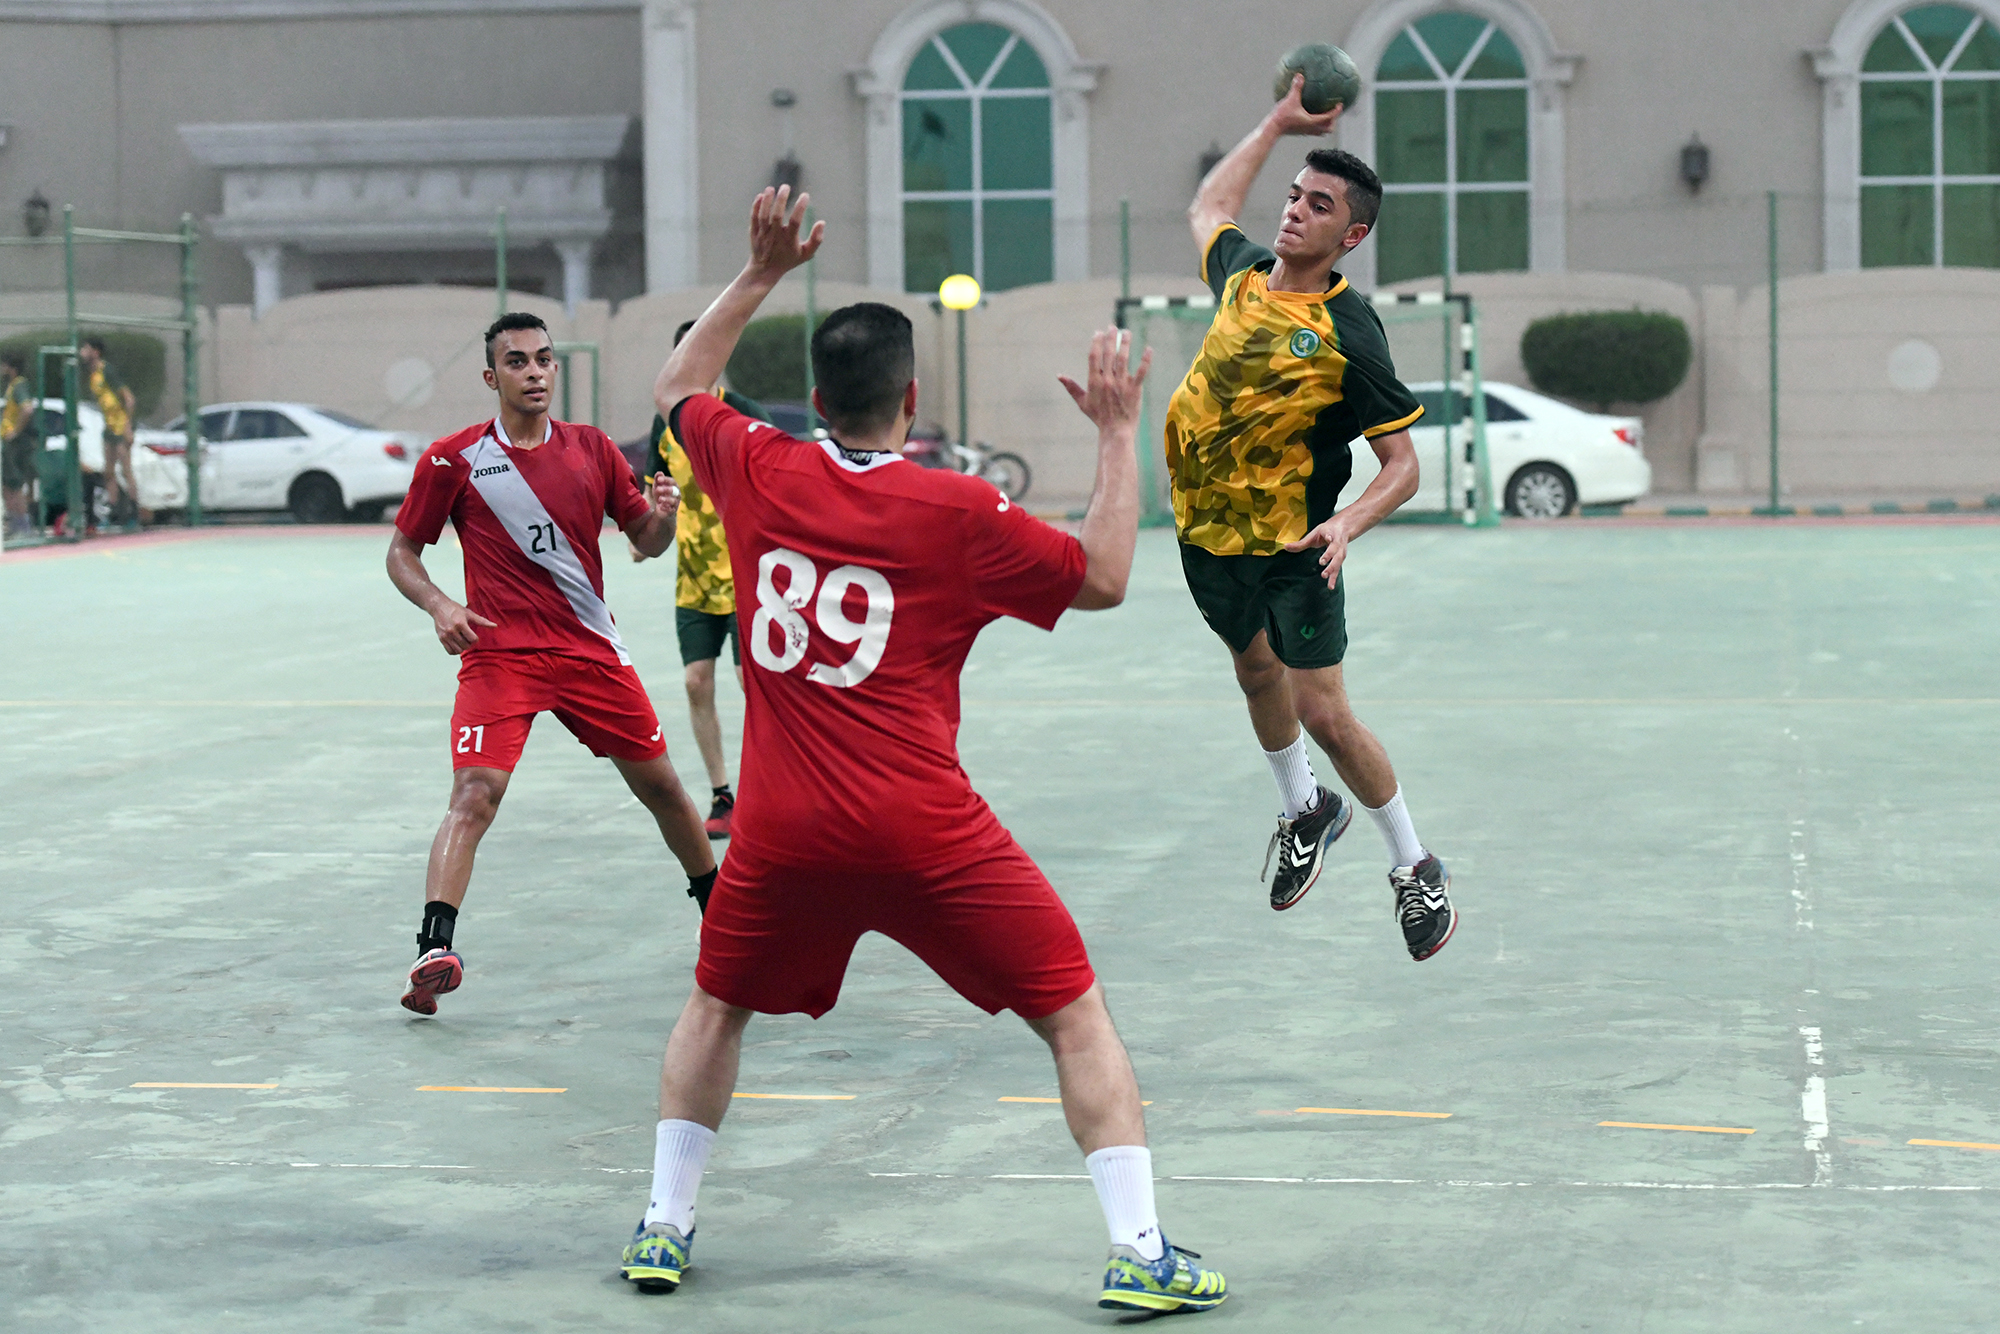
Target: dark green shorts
<point x="701" y="635"/>
<point x="1284" y="595"/>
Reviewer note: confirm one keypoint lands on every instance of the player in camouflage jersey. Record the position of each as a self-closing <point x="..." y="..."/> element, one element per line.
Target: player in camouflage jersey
<point x="1294" y="367"/>
<point x="705" y="602"/>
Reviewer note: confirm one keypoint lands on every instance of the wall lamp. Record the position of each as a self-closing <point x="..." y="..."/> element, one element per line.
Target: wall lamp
<point x="1694" y="163"/>
<point x="35" y="214"/>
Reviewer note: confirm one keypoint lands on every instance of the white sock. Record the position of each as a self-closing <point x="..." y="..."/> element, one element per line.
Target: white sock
<point x="1123" y="1176"/>
<point x="680" y="1151"/>
<point x="1393" y="819"/>
<point x="1293" y="769"/>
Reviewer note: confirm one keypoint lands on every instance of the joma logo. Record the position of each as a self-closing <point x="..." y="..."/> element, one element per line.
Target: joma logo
<point x="488" y="472"/>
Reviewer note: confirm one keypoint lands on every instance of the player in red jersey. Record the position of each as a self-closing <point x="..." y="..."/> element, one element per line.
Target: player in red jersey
<point x="862" y="582"/>
<point x="528" y="497"/>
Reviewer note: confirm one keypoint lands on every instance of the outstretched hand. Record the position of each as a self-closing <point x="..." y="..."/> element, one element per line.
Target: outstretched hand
<point x="776" y="247"/>
<point x="1111" y="395"/>
<point x="1291" y="116"/>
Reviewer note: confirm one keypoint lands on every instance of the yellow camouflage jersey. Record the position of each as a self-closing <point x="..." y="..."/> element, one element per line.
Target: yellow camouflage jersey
<point x="108" y="391"/>
<point x="1258" y="432"/>
<point x="705" y="582"/>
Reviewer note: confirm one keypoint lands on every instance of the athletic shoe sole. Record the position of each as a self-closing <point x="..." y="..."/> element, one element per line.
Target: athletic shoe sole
<point x="430" y="979"/>
<point x="647" y="1278"/>
<point x="1327" y="840"/>
<point x="1445" y="940"/>
<point x="1118" y="1299"/>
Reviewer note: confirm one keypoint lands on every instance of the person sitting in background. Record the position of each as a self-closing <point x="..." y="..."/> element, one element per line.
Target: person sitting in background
<point x="20" y="436"/>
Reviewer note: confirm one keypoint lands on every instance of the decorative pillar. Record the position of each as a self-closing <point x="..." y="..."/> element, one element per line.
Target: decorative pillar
<point x="672" y="160"/>
<point x="267" y="274"/>
<point x="576" y="273"/>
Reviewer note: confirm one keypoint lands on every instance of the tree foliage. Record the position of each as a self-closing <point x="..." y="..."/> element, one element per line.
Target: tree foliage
<point x="1603" y="357"/>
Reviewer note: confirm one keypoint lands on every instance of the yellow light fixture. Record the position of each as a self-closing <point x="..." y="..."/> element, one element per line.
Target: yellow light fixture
<point x="959" y="292"/>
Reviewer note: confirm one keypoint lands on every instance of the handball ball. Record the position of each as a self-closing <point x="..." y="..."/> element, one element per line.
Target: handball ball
<point x="1331" y="78"/>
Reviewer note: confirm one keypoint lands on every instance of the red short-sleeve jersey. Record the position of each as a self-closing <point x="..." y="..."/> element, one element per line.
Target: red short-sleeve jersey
<point x="529" y="520"/>
<point x="861" y="583"/>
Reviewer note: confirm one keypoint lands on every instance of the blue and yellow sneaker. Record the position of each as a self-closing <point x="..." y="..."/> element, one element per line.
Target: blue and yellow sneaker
<point x="657" y="1257"/>
<point x="1170" y="1283"/>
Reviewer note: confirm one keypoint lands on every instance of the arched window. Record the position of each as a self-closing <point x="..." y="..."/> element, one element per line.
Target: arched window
<point x="1451" y="145"/>
<point x="1930" y="141"/>
<point x="978" y="161"/>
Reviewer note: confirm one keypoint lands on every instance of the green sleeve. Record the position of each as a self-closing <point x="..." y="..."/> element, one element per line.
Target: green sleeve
<point x="1381" y="403"/>
<point x="1229" y="253"/>
<point x="749" y="407"/>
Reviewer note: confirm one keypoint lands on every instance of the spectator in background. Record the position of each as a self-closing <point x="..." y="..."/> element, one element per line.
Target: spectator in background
<point x="102" y="385"/>
<point x="20" y="435"/>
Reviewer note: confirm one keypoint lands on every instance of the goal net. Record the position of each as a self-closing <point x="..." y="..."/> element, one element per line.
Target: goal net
<point x="1434" y="341"/>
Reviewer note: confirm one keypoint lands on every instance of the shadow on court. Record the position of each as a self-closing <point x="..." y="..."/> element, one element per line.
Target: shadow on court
<point x="1717" y="800"/>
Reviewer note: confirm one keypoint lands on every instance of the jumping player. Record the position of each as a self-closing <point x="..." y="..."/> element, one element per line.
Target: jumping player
<point x="704" y="602"/>
<point x="1294" y="367"/>
<point x="528" y="497"/>
<point x="872" y="577"/>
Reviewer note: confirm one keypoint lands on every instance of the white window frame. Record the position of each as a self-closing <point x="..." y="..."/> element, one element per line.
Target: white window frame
<point x="1838" y="65"/>
<point x="1550" y="71"/>
<point x="976" y="91"/>
<point x="880" y="85"/>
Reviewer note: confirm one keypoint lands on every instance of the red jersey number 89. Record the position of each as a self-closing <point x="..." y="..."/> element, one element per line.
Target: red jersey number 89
<point x="782" y="612"/>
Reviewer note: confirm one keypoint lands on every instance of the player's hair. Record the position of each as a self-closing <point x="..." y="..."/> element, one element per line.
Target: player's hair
<point x="513" y="319"/>
<point x="93" y="342"/>
<point x="864" y="356"/>
<point x="16" y="360"/>
<point x="682" y="332"/>
<point x="1361" y="185"/>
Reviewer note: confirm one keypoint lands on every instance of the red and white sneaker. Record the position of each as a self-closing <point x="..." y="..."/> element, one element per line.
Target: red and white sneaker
<point x="437" y="972"/>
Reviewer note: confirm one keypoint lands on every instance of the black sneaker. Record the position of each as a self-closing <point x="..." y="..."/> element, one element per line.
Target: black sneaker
<point x="719" y="812"/>
<point x="1423" y="907"/>
<point x="1301" y="846"/>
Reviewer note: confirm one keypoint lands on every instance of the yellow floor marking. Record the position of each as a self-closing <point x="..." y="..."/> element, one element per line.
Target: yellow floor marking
<point x="1956" y="1144"/>
<point x="163" y="1085"/>
<point x="1356" y="1111"/>
<point x="475" y="1088"/>
<point x="1706" y="1130"/>
<point x="799" y="1097"/>
<point x="1142" y="1104"/>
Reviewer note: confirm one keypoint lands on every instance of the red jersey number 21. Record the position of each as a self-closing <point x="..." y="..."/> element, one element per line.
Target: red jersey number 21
<point x="783" y="613"/>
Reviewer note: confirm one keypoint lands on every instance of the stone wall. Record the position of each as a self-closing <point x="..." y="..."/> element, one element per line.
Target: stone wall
<point x="1887" y="376"/>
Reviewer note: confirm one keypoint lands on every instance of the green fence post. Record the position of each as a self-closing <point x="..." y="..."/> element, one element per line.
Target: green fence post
<point x="812" y="313"/>
<point x="1771" y="320"/>
<point x="190" y="372"/>
<point x="79" y="511"/>
<point x="1124" y="248"/>
<point x="500" y="260"/>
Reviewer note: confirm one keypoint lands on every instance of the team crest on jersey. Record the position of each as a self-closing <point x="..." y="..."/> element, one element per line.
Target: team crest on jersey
<point x="1304" y="342"/>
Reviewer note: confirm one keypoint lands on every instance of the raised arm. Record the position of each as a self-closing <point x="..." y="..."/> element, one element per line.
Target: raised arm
<point x="1111" y="524"/>
<point x="1220" y="197"/>
<point x="776" y="248"/>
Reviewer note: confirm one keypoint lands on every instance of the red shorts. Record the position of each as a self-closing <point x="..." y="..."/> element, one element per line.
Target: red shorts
<point x="776" y="939"/>
<point x="602" y="704"/>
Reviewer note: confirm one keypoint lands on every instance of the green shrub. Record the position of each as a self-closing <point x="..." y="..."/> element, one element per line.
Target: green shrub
<point x="139" y="358"/>
<point x="1607" y="356"/>
<point x="769" y="363"/>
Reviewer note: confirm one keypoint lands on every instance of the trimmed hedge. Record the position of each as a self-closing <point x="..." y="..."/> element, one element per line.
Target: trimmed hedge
<point x="1607" y="356"/>
<point x="139" y="358"/>
<point x="769" y="363"/>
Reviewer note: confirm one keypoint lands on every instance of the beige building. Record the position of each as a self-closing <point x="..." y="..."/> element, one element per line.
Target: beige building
<point x="1544" y="154"/>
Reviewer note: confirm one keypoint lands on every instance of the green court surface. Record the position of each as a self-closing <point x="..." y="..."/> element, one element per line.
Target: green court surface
<point x="1719" y="803"/>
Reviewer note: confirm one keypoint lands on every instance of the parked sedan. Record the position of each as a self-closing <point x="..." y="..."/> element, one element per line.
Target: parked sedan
<point x="1546" y="457"/>
<point x="320" y="464"/>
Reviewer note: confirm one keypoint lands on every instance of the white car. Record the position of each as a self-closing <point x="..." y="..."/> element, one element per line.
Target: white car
<point x="1545" y="456"/>
<point x="322" y="465"/>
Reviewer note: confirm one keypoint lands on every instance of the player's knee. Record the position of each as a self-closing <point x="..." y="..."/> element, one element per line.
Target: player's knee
<point x="476" y="798"/>
<point x="700" y="678"/>
<point x="1259" y="674"/>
